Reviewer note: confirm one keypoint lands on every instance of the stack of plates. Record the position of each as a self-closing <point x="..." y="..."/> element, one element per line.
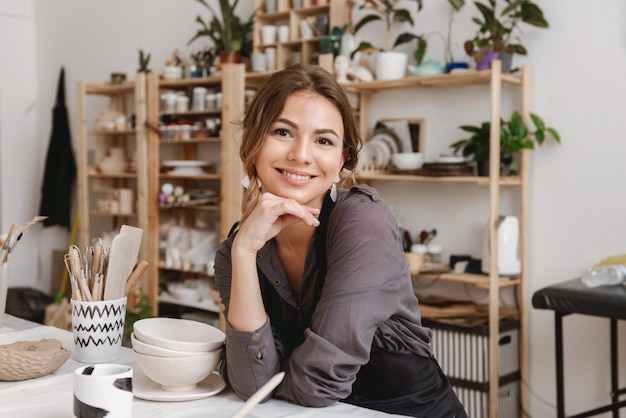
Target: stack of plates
<point x="185" y="167"/>
<point x="376" y="153"/>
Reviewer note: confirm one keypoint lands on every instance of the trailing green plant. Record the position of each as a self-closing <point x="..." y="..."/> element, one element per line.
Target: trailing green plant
<point x="389" y="12"/>
<point x="456" y="5"/>
<point x="500" y="30"/>
<point x="230" y="34"/>
<point x="144" y="61"/>
<point x="515" y="136"/>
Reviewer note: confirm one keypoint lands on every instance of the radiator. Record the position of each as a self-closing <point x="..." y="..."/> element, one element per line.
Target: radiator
<point x="463" y="354"/>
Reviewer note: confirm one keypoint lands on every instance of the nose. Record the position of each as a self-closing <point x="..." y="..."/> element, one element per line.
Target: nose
<point x="301" y="151"/>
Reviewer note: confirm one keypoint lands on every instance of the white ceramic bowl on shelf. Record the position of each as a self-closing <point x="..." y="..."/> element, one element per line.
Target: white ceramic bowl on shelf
<point x="407" y="160"/>
<point x="184" y="292"/>
<point x="178" y="374"/>
<point x="179" y="334"/>
<point x="110" y="165"/>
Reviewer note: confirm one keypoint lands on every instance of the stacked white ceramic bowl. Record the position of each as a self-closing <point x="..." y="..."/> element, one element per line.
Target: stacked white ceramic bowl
<point x="176" y="353"/>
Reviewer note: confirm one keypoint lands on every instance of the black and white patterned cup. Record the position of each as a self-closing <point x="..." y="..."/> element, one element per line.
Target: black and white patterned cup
<point x="103" y="390"/>
<point x="98" y="329"/>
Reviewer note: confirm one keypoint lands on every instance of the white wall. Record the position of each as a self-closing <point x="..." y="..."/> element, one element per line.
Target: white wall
<point x="576" y="193"/>
<point x="19" y="144"/>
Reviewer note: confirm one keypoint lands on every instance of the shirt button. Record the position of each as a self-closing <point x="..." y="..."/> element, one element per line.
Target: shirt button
<point x="255" y="337"/>
<point x="259" y="256"/>
<point x="276" y="282"/>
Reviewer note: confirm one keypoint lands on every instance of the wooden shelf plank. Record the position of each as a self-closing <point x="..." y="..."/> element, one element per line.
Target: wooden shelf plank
<point x="479" y="280"/>
<point x="110" y="89"/>
<point x="433" y="81"/>
<point x="387" y="176"/>
<point x="189" y="82"/>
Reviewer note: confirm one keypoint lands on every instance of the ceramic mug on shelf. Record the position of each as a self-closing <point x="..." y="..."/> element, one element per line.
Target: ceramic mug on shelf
<point x="270" y="55"/>
<point x="125" y="198"/>
<point x="283" y="33"/>
<point x="306" y="31"/>
<point x="268" y="34"/>
<point x="259" y="62"/>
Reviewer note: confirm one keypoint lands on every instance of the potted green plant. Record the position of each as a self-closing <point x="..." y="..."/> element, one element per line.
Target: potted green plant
<point x="432" y="67"/>
<point x="498" y="31"/>
<point x="451" y="63"/>
<point x="515" y="136"/>
<point x="390" y="64"/>
<point x="144" y="61"/>
<point x="231" y="36"/>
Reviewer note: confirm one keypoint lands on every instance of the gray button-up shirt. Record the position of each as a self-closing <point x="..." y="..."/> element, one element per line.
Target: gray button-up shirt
<point x="366" y="298"/>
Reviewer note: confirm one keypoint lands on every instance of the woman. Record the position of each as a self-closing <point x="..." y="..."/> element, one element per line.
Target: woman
<point x="313" y="279"/>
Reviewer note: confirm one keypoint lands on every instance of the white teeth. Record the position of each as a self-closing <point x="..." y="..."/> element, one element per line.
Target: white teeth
<point x="296" y="176"/>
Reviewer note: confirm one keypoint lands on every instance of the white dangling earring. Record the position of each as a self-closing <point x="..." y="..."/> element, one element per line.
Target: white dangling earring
<point x="333" y="189"/>
<point x="245" y="182"/>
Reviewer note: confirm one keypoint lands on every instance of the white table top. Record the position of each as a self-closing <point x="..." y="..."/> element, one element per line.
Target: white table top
<point x="51" y="396"/>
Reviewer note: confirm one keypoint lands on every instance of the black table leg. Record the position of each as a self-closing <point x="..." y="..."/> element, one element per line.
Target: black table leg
<point x="614" y="365"/>
<point x="558" y="344"/>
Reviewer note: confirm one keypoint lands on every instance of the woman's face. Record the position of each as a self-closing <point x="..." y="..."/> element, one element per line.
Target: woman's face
<point x="303" y="150"/>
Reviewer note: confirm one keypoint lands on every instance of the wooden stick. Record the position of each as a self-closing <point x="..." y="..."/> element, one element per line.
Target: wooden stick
<point x="136" y="274"/>
<point x="75" y="291"/>
<point x="259" y="395"/>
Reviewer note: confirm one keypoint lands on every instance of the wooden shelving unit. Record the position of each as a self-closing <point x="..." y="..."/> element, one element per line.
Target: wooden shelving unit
<point x="93" y="143"/>
<point x="222" y="151"/>
<point x="493" y="79"/>
<point x="337" y="11"/>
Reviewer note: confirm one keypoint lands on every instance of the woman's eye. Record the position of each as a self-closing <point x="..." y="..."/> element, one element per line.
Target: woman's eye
<point x="324" y="141"/>
<point x="281" y="132"/>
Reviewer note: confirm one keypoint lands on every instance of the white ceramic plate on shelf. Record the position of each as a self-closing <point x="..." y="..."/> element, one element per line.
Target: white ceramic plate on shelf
<point x="144" y="388"/>
<point x="185" y="167"/>
<point x="450" y="159"/>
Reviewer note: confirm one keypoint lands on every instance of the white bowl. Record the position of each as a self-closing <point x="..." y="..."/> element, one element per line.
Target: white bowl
<point x="178" y="374"/>
<point x="184" y="292"/>
<point x="154" y="350"/>
<point x="179" y="334"/>
<point x="408" y="160"/>
<point x="112" y="166"/>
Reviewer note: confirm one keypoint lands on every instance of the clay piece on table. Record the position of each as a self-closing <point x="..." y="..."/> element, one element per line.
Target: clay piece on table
<point x="24" y="360"/>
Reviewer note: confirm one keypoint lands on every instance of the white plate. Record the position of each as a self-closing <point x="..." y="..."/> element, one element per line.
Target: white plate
<point x="383" y="154"/>
<point x="450" y="159"/>
<point x="184" y="163"/>
<point x="186" y="171"/>
<point x="144" y="388"/>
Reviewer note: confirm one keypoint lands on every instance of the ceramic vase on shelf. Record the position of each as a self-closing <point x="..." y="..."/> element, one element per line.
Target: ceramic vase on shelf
<point x="390" y="65"/>
<point x="488" y="56"/>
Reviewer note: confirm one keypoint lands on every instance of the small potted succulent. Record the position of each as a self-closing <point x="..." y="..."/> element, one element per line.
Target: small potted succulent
<point x="144" y="61"/>
<point x="390" y="64"/>
<point x="498" y="31"/>
<point x="231" y="36"/>
<point x="515" y="136"/>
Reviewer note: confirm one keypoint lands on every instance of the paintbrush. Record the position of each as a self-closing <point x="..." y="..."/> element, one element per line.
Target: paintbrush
<point x="6" y="245"/>
<point x="25" y="227"/>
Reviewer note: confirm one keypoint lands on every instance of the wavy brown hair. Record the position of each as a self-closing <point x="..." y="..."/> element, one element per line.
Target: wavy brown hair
<point x="268" y="105"/>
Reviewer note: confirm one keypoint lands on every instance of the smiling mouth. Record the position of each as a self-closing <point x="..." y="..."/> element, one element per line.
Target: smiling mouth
<point x="293" y="176"/>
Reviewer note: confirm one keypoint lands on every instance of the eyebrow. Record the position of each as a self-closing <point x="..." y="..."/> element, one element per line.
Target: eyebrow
<point x="317" y="131"/>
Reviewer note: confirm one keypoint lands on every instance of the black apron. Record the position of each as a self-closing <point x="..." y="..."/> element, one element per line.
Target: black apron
<point x="397" y="383"/>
